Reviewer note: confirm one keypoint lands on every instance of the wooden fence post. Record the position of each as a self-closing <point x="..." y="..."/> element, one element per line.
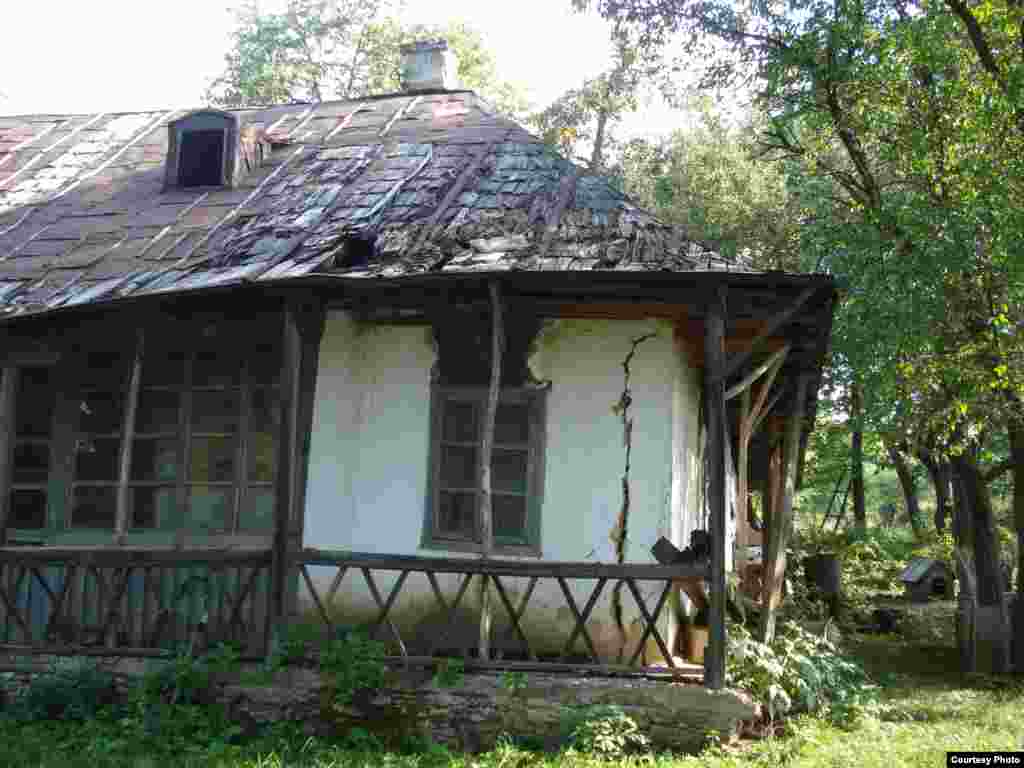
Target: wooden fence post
<point x="8" y="409"/>
<point x="714" y="410"/>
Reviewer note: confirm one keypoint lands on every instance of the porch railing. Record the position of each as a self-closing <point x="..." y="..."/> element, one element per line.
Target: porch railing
<point x="130" y="602"/>
<point x="138" y="602"/>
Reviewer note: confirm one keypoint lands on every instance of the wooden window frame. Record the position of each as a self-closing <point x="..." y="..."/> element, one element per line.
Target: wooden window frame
<point x="536" y="400"/>
<point x="241" y="485"/>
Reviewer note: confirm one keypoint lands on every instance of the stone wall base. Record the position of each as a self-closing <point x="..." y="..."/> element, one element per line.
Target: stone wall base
<point x="478" y="708"/>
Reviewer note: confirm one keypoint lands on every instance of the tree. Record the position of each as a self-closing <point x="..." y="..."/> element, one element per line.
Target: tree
<point x="341" y="49"/>
<point x="905" y="119"/>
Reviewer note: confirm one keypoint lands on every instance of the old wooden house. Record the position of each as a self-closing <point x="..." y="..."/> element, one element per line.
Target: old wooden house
<point x="349" y="361"/>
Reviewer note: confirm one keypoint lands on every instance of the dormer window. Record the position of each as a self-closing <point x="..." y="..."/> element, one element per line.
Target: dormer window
<point x="202" y="150"/>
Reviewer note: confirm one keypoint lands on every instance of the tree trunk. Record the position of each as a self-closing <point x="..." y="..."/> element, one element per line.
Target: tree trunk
<point x="860" y="517"/>
<point x="938" y="471"/>
<point x="977" y="515"/>
<point x="597" y="155"/>
<point x="909" y="486"/>
<point x="1016" y="434"/>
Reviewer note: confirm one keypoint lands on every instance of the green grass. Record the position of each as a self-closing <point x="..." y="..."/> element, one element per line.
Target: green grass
<point x="925" y="709"/>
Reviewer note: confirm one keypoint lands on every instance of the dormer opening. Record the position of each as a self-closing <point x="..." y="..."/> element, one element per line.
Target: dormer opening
<point x="201" y="159"/>
<point x="202" y="150"/>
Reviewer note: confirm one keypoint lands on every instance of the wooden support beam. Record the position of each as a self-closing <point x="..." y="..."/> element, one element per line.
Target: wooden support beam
<point x="301" y="333"/>
<point x="486" y="450"/>
<point x="8" y="426"/>
<point x="773" y="363"/>
<point x="781" y="526"/>
<point x="125" y="463"/>
<point x="714" y="413"/>
<point x="742" y="462"/>
<point x="740" y="359"/>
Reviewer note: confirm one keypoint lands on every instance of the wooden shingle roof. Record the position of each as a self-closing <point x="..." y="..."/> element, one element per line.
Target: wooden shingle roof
<point x="384" y="188"/>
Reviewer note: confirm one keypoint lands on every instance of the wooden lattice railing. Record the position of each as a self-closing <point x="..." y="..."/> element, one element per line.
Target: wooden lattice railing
<point x="131" y="601"/>
<point x="606" y="579"/>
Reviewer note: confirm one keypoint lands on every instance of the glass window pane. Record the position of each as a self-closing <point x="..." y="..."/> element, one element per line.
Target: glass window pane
<point x="28" y="509"/>
<point x="264" y="364"/>
<point x="509" y="515"/>
<point x="101" y="412"/>
<point x="212" y="459"/>
<point x="104" y="369"/>
<point x="215" y="411"/>
<point x="257" y="513"/>
<point x="163" y="367"/>
<point x="264" y="410"/>
<point x="93" y="507"/>
<point x="460" y="424"/>
<point x="34" y="403"/>
<point x="97" y="459"/>
<point x="210" y="509"/>
<point x="152" y="507"/>
<point x="456" y="515"/>
<point x="508" y="470"/>
<point x="262" y="455"/>
<point x="458" y="467"/>
<point x="31" y="462"/>
<point x="157" y="412"/>
<point x="512" y="423"/>
<point x="216" y="366"/>
<point x="155" y="459"/>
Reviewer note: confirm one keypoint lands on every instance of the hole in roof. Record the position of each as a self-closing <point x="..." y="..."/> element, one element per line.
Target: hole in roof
<point x="201" y="158"/>
<point x="358" y="250"/>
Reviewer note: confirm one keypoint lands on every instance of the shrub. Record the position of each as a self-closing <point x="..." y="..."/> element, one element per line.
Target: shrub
<point x="605" y="730"/>
<point x="352" y="662"/>
<point x="800" y="672"/>
<point x="71" y="689"/>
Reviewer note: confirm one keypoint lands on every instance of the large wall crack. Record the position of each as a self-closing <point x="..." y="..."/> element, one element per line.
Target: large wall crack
<point x="620" y="533"/>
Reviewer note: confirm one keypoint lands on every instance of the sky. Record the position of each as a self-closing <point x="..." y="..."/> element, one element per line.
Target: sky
<point x="62" y="56"/>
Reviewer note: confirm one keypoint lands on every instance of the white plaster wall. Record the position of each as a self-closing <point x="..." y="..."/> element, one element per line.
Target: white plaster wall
<point x="369" y="455"/>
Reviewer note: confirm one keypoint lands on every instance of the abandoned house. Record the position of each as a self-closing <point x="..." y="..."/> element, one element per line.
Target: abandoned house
<point x="349" y="361"/>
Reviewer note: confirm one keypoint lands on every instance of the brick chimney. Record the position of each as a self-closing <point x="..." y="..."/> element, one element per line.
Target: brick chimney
<point x="429" y="65"/>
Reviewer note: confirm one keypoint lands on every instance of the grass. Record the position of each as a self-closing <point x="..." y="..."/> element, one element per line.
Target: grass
<point x="925" y="709"/>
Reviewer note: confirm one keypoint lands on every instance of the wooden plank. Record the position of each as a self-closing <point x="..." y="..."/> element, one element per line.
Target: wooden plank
<point x="714" y="412"/>
<point x="525" y="568"/>
<point x="451" y="615"/>
<point x="125" y="462"/>
<point x="782" y="516"/>
<point x="587" y="608"/>
<point x="581" y="621"/>
<point x="8" y="409"/>
<point x="773" y="363"/>
<point x="385" y="607"/>
<point x="690" y="673"/>
<point x="485" y="510"/>
<point x="774" y="324"/>
<point x="316" y="597"/>
<point x="108" y="557"/>
<point x="651" y="620"/>
<point x="514" y="617"/>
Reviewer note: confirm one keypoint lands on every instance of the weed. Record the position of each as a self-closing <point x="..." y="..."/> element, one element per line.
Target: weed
<point x="449" y="673"/>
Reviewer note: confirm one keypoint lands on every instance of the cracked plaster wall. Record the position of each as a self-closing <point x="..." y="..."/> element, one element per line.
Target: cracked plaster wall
<point x="368" y="464"/>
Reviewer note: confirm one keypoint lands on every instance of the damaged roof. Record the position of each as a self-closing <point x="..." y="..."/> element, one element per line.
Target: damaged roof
<point x="382" y="188"/>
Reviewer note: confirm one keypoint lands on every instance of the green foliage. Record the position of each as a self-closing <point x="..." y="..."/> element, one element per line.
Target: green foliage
<point x="800" y="672"/>
<point x="449" y="673"/>
<point x="513" y="681"/>
<point x="604" y="730"/>
<point x="351" y="663"/>
<point x="318" y="50"/>
<point x="71" y="689"/>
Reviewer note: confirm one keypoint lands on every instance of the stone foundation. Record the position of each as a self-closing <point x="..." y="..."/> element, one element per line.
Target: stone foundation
<point x="471" y="714"/>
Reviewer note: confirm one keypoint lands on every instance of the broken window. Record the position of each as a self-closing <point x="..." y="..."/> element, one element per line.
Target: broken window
<point x="203" y="439"/>
<point x="459" y="404"/>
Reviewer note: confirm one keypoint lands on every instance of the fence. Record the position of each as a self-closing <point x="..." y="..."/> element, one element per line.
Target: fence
<point x="146" y="602"/>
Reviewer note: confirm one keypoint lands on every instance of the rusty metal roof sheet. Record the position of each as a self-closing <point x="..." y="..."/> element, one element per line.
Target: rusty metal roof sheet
<point x="384" y="188"/>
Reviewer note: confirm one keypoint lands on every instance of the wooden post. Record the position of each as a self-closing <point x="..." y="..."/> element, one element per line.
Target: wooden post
<point x="714" y="410"/>
<point x="486" y="449"/>
<point x="301" y="332"/>
<point x="782" y="515"/>
<point x="8" y="427"/>
<point x="742" y="500"/>
<point x="124" y="474"/>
